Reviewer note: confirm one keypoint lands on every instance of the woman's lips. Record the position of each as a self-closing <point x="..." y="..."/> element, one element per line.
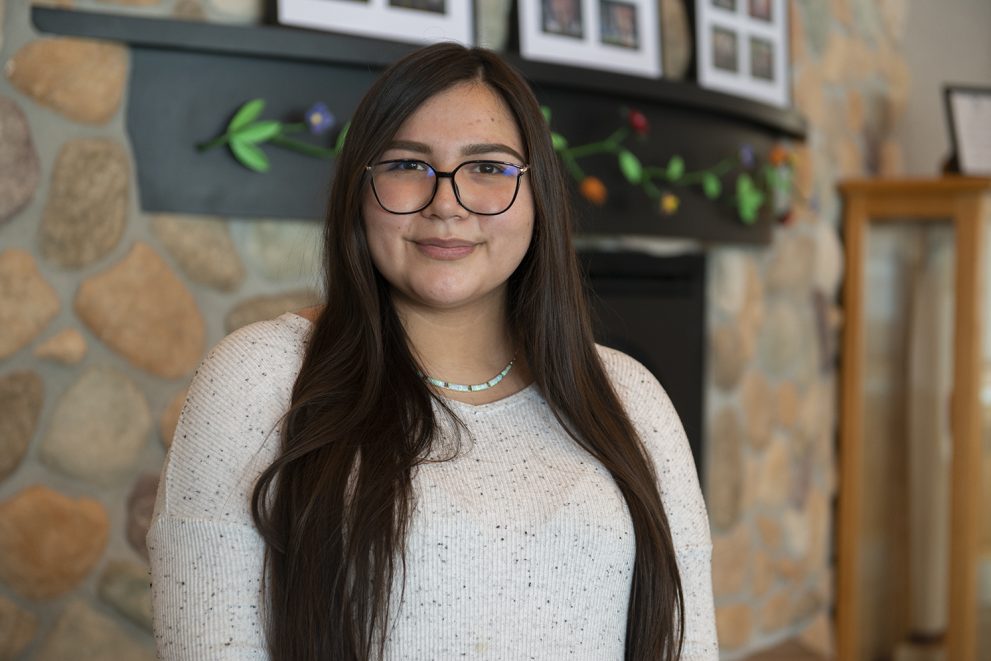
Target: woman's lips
<point x="445" y="248"/>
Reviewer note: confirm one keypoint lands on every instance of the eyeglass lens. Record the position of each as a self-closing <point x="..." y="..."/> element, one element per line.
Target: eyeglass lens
<point x="482" y="187"/>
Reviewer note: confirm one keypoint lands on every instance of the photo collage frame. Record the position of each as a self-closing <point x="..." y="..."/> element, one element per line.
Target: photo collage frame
<point x="742" y="48"/>
<point x="413" y="21"/>
<point x="614" y="35"/>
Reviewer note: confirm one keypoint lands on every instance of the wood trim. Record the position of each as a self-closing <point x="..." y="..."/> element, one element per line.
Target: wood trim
<point x="948" y="185"/>
<point x="966" y="480"/>
<point x="851" y="417"/>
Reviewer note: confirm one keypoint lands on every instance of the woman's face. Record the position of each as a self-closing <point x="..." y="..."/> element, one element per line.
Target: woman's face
<point x="444" y="256"/>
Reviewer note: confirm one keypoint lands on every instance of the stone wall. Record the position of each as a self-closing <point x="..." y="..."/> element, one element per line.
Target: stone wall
<point x="106" y="310"/>
<point x="773" y="324"/>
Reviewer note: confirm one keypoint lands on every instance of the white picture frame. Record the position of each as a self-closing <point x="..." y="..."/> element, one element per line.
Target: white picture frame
<point x="742" y="48"/>
<point x="614" y="35"/>
<point x="411" y="21"/>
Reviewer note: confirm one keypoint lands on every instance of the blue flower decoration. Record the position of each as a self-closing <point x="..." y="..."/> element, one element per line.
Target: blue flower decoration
<point x="747" y="158"/>
<point x="319" y="118"/>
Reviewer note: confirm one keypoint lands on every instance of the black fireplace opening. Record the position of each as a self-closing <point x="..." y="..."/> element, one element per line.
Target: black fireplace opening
<point x="653" y="308"/>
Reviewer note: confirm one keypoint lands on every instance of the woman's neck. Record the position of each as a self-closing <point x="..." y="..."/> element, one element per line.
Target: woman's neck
<point x="468" y="345"/>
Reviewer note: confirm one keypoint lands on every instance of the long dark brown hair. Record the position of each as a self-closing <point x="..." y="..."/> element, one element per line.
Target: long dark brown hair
<point x="334" y="508"/>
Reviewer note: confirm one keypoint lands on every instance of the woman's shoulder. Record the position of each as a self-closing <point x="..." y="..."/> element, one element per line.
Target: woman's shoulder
<point x="631" y="380"/>
<point x="228" y="427"/>
<point x="642" y="395"/>
<point x="284" y="332"/>
<point x="659" y="427"/>
<point x="277" y="342"/>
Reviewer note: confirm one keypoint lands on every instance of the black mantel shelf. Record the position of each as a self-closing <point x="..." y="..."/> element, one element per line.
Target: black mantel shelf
<point x="187" y="77"/>
<point x="309" y="45"/>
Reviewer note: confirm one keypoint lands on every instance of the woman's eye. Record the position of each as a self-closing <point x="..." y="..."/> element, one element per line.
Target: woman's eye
<point x="410" y="166"/>
<point x="490" y="168"/>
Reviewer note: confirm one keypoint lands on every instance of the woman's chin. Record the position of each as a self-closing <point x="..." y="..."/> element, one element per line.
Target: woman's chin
<point x="448" y="298"/>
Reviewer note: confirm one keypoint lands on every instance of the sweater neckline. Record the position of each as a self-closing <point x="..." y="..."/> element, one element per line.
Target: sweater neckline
<point x="524" y="394"/>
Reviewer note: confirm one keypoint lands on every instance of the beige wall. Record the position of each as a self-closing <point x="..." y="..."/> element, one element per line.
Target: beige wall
<point x="946" y="42"/>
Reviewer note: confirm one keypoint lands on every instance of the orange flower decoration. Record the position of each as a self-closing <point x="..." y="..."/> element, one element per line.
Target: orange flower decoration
<point x="778" y="156"/>
<point x="594" y="190"/>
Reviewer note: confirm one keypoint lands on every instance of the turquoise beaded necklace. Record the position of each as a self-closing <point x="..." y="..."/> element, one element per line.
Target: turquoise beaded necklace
<point x="474" y="387"/>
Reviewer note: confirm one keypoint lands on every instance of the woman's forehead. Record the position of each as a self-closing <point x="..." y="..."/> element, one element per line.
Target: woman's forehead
<point x="469" y="113"/>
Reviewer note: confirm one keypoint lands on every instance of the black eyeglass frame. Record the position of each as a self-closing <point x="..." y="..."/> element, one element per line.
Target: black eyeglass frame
<point x="523" y="169"/>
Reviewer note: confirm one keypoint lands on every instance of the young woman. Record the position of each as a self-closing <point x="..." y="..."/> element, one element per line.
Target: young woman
<point x="438" y="462"/>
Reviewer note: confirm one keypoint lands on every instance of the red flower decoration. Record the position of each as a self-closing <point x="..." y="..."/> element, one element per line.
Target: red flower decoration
<point x="638" y="122"/>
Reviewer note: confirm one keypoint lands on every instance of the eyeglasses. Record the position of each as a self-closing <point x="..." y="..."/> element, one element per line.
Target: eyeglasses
<point x="485" y="188"/>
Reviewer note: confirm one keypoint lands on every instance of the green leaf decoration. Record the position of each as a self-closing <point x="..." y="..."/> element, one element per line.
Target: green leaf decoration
<point x="748" y="199"/>
<point x="546" y="112"/>
<point x="676" y="168"/>
<point x="246" y="114"/>
<point x="339" y="145"/>
<point x="258" y="132"/>
<point x="630" y="166"/>
<point x="711" y="185"/>
<point x="559" y="142"/>
<point x="250" y="155"/>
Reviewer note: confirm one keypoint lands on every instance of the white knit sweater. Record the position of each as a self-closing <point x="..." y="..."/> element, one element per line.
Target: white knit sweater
<point x="520" y="548"/>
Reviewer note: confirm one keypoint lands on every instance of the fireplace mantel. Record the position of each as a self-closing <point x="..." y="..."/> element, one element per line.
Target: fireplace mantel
<point x="186" y="78"/>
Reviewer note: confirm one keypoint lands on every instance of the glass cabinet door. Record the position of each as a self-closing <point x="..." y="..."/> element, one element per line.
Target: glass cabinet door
<point x="908" y="330"/>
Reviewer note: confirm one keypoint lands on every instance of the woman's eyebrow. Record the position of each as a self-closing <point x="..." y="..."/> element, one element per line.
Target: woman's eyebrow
<point x="409" y="145"/>
<point x="488" y="148"/>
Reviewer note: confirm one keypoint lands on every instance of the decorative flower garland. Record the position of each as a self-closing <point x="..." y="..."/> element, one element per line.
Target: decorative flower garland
<point x="755" y="184"/>
<point x="244" y="134"/>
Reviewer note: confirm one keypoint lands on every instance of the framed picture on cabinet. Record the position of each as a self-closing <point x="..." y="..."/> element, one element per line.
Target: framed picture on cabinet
<point x="414" y="21"/>
<point x="968" y="112"/>
<point x="615" y="35"/>
<point x="742" y="48"/>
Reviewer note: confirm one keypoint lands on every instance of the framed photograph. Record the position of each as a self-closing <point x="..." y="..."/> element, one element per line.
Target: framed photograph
<point x="742" y="48"/>
<point x="414" y="21"/>
<point x="968" y="113"/>
<point x="616" y="35"/>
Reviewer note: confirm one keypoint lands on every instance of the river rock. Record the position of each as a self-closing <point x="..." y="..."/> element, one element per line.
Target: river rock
<point x="82" y="79"/>
<point x="49" y="542"/>
<point x="283" y="250"/>
<point x="758" y="407"/>
<point x="68" y="347"/>
<point x="728" y="359"/>
<point x="140" y="506"/>
<point x="17" y="626"/>
<point x="20" y="168"/>
<point x="731" y="554"/>
<point x="734" y="624"/>
<point x="82" y="633"/>
<point x="21" y="397"/>
<point x="27" y="302"/>
<point x="725" y="474"/>
<point x="86" y="211"/>
<point x="203" y="248"/>
<point x="141" y="310"/>
<point x="127" y="587"/>
<point x="99" y="427"/>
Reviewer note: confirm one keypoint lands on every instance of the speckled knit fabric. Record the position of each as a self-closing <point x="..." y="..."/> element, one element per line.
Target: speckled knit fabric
<point x="520" y="548"/>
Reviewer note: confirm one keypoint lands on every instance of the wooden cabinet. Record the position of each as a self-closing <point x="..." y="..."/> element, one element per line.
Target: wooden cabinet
<point x="914" y="353"/>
